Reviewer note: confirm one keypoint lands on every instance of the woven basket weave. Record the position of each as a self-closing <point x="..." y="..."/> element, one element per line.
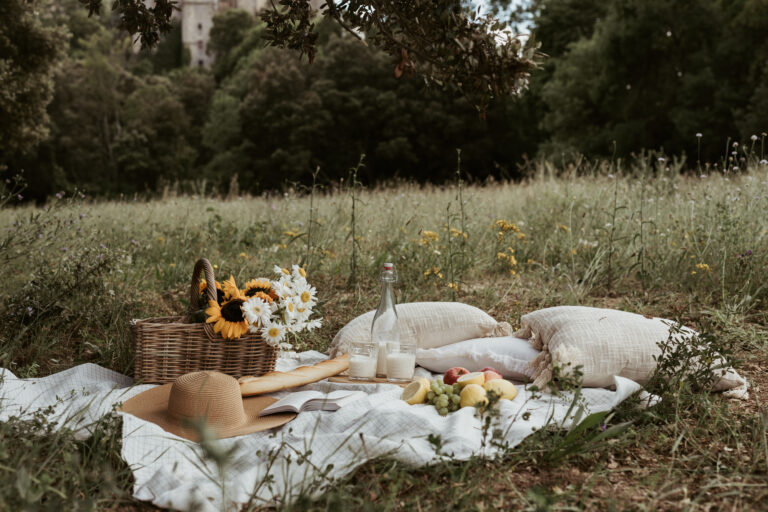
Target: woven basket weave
<point x="168" y="347"/>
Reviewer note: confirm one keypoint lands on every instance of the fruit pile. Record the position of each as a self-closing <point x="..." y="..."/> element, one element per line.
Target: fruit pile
<point x="459" y="388"/>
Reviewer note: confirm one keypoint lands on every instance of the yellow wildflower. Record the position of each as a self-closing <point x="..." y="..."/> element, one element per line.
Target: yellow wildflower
<point x="563" y="227"/>
<point x="703" y="267"/>
<point x="458" y="233"/>
<point x="428" y="237"/>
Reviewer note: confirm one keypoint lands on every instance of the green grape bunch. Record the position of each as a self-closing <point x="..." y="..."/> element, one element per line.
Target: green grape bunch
<point x="444" y="397"/>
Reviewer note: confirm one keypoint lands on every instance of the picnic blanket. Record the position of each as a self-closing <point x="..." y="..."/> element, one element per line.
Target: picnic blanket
<point x="302" y="458"/>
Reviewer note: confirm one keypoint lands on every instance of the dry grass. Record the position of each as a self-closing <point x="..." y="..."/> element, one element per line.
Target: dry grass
<point x="649" y="241"/>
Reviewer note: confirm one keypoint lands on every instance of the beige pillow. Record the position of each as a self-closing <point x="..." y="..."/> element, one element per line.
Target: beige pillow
<point x="605" y="342"/>
<point x="429" y="324"/>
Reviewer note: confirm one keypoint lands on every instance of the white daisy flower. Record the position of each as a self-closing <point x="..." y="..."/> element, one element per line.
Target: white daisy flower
<point x="302" y="313"/>
<point x="273" y="334"/>
<point x="282" y="272"/>
<point x="314" y="324"/>
<point x="257" y="312"/>
<point x="298" y="273"/>
<point x="307" y="296"/>
<point x="289" y="311"/>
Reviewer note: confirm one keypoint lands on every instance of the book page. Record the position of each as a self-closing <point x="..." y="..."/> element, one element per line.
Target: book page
<point x="292" y="402"/>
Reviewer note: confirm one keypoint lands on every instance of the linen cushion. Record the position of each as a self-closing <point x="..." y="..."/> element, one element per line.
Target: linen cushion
<point x="605" y="342"/>
<point x="428" y="324"/>
<point x="507" y="354"/>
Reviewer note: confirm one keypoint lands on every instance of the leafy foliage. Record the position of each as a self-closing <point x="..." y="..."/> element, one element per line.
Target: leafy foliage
<point x="446" y="42"/>
<point x="28" y="50"/>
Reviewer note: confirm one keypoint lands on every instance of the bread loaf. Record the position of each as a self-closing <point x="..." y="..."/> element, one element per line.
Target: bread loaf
<point x="276" y="381"/>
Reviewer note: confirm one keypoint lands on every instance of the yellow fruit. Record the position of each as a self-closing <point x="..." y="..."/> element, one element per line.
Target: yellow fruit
<point x="416" y="391"/>
<point x="471" y="378"/>
<point x="501" y="387"/>
<point x="473" y="394"/>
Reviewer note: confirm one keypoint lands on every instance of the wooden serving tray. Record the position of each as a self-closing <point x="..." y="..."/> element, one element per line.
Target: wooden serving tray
<point x="344" y="379"/>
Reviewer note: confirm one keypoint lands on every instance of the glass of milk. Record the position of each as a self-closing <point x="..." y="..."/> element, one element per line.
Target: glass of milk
<point x="401" y="361"/>
<point x="362" y="361"/>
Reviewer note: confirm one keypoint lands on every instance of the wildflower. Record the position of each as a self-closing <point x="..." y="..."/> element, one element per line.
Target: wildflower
<point x="753" y="138"/>
<point x="703" y="176"/>
<point x="172" y="265"/>
<point x="59" y="195"/>
<point x="735" y="144"/>
<point x="735" y="168"/>
<point x="763" y="162"/>
<point x="629" y="87"/>
<point x="102" y="246"/>
<point x="82" y="215"/>
<point x="610" y="176"/>
<point x="428" y="237"/>
<point x="704" y="267"/>
<point x="273" y="334"/>
<point x="290" y="234"/>
<point x="19" y="197"/>
<point x="257" y="312"/>
<point x="455" y="233"/>
<point x="30" y="310"/>
<point x="261" y="288"/>
<point x="243" y="255"/>
<point x="454" y="286"/>
<point x="662" y="159"/>
<point x="669" y="33"/>
<point x="563" y="227"/>
<point x="699" y="135"/>
<point x="228" y="318"/>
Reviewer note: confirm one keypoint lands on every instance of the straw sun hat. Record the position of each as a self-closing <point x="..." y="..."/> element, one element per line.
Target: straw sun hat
<point x="211" y="397"/>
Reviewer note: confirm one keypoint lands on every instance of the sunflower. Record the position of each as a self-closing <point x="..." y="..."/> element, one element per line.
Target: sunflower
<point x="261" y="288"/>
<point x="228" y="318"/>
<point x="230" y="288"/>
<point x="219" y="292"/>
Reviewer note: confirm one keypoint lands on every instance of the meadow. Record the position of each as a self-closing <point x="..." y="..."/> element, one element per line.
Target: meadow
<point x="643" y="237"/>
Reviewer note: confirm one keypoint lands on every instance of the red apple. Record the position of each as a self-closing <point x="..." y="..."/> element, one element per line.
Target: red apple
<point x="490" y="369"/>
<point x="452" y="375"/>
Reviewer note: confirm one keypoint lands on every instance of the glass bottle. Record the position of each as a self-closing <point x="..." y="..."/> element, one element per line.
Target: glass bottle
<point x="385" y="329"/>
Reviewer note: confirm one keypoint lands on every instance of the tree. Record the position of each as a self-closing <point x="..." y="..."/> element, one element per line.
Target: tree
<point x="645" y="78"/>
<point x="28" y="52"/>
<point x="445" y="41"/>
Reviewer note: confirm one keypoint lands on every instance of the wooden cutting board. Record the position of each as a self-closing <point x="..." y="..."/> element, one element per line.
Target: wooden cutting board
<point x="344" y="379"/>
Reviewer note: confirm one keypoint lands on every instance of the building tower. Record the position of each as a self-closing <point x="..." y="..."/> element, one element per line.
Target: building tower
<point x="197" y="20"/>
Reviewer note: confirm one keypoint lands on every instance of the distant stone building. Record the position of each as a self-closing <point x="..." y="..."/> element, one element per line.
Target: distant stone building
<point x="197" y="20"/>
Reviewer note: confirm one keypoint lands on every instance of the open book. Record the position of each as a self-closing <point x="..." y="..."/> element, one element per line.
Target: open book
<point x="313" y="401"/>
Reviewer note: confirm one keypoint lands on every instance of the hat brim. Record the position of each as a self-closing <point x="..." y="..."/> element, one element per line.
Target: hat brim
<point x="152" y="406"/>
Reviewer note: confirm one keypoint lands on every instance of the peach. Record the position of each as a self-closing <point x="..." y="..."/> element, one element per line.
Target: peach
<point x="452" y="375"/>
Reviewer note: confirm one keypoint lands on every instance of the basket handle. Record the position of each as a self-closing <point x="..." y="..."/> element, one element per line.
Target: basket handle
<point x="202" y="266"/>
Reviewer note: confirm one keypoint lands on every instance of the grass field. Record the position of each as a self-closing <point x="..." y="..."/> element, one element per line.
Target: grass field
<point x="645" y="239"/>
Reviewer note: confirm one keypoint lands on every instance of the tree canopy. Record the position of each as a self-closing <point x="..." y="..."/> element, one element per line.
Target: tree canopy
<point x="447" y="42"/>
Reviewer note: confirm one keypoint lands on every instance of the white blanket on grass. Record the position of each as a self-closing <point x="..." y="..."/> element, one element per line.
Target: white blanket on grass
<point x="301" y="458"/>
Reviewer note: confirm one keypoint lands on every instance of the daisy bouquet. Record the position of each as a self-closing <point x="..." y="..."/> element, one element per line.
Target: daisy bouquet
<point x="274" y="308"/>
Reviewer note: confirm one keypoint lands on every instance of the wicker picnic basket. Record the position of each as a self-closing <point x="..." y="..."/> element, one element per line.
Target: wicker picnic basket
<point x="168" y="347"/>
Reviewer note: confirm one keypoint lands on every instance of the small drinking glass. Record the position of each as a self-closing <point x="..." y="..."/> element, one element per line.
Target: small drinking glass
<point x="362" y="361"/>
<point x="401" y="361"/>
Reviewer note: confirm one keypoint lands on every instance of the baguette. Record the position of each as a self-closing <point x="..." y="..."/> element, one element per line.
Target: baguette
<point x="277" y="381"/>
